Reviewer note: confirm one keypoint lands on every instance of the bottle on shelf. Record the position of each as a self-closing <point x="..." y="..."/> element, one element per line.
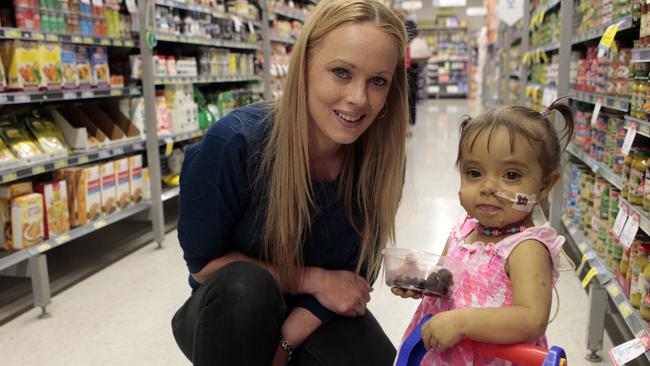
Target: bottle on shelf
<point x="638" y="281"/>
<point x="636" y="192"/>
<point x="627" y="167"/>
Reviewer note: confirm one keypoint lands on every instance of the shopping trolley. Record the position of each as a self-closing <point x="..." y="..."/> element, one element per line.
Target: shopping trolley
<point x="412" y="351"/>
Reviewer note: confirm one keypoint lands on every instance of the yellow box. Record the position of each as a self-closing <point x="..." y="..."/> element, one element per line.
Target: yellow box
<point x="8" y="193"/>
<point x="109" y="193"/>
<point x="122" y="183"/>
<point x="27" y="220"/>
<point x="57" y="216"/>
<point x="22" y="65"/>
<point x="49" y="57"/>
<point x="136" y="178"/>
<point x="89" y="196"/>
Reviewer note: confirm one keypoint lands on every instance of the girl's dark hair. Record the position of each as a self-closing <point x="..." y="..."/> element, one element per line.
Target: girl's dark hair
<point x="534" y="126"/>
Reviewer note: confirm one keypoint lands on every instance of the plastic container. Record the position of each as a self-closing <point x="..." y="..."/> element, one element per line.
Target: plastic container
<point x="421" y="271"/>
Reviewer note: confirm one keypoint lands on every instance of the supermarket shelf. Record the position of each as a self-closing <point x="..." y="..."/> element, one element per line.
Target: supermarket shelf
<point x="289" y="14"/>
<point x="29" y="35"/>
<point x="597" y="167"/>
<point x="170" y="193"/>
<point x="546" y="48"/>
<point x="61" y="95"/>
<point x="280" y="39"/>
<point x="177" y="80"/>
<point x="29" y="170"/>
<point x="640" y="55"/>
<point x="635" y="323"/>
<point x="642" y="126"/>
<point x="597" y="32"/>
<point x="165" y="37"/>
<point x="11" y="258"/>
<point x="619" y="104"/>
<point x="458" y="29"/>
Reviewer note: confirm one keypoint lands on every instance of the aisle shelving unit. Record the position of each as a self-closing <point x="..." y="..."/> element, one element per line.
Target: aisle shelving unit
<point x="549" y="75"/>
<point x="448" y="68"/>
<point x="146" y="40"/>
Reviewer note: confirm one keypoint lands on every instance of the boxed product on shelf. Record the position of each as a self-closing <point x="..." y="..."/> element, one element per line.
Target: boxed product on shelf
<point x="84" y="66"/>
<point x="69" y="72"/>
<point x="45" y="132"/>
<point x="122" y="188"/>
<point x="99" y="64"/>
<point x="109" y="192"/>
<point x="55" y="203"/>
<point x="19" y="140"/>
<point x="89" y="197"/>
<point x="21" y="60"/>
<point x="135" y="178"/>
<point x="7" y="194"/>
<point x="27" y="220"/>
<point x="70" y="176"/>
<point x="7" y="158"/>
<point x="49" y="61"/>
<point x="179" y="100"/>
<point x="146" y="185"/>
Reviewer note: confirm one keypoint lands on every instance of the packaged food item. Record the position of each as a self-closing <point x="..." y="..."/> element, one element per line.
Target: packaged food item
<point x="70" y="176"/>
<point x="136" y="178"/>
<point x="48" y="140"/>
<point x="27" y="220"/>
<point x="123" y="192"/>
<point x="49" y="57"/>
<point x="99" y="64"/>
<point x="22" y="63"/>
<point x="18" y="139"/>
<point x="84" y="68"/>
<point x="146" y="186"/>
<point x="7" y="158"/>
<point x="55" y="203"/>
<point x="109" y="200"/>
<point x="8" y="193"/>
<point x="69" y="73"/>
<point x="3" y="77"/>
<point x="89" y="198"/>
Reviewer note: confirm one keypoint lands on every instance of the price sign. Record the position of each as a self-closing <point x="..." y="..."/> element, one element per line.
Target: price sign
<point x="100" y="224"/>
<point x="87" y="94"/>
<point x="629" y="230"/>
<point x="60" y="164"/>
<point x="613" y="290"/>
<point x="629" y="350"/>
<point x="629" y="139"/>
<point x="43" y="247"/>
<point x="22" y="98"/>
<point x="62" y="239"/>
<point x="596" y="112"/>
<point x="69" y="95"/>
<point x="169" y="146"/>
<point x="620" y="221"/>
<point x="38" y="170"/>
<point x="10" y="177"/>
<point x="116" y="92"/>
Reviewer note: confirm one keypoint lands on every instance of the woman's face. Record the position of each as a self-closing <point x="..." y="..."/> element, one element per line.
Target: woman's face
<point x="348" y="78"/>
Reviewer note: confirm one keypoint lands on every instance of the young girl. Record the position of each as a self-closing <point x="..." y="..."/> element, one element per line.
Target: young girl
<point x="509" y="159"/>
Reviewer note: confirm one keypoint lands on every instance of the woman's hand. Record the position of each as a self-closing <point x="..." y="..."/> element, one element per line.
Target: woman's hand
<point x="342" y="292"/>
<point x="443" y="330"/>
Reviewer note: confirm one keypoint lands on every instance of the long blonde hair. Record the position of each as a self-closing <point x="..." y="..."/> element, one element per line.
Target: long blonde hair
<point x="375" y="162"/>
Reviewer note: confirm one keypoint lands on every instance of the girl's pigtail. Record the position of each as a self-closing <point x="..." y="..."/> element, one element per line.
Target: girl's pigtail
<point x="569" y="121"/>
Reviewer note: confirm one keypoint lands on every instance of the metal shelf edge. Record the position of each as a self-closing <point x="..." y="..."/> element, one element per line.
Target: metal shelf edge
<point x="170" y="193"/>
<point x="12" y="259"/>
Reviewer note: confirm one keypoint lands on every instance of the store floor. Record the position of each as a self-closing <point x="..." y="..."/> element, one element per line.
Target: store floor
<point x="121" y="315"/>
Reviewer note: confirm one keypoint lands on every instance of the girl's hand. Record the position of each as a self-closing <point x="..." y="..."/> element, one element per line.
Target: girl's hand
<point x="443" y="330"/>
<point x="406" y="294"/>
<point x="342" y="292"/>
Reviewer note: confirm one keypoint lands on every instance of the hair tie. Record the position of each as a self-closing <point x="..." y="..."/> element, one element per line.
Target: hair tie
<point x="545" y="113"/>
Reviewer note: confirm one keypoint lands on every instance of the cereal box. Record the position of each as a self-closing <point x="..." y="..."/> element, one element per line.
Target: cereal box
<point x="109" y="192"/>
<point x="49" y="60"/>
<point x="122" y="188"/>
<point x="146" y="185"/>
<point x="27" y="220"/>
<point x="99" y="64"/>
<point x="70" y="175"/>
<point x="84" y="68"/>
<point x="55" y="202"/>
<point x="22" y="65"/>
<point x="69" y="73"/>
<point x="8" y="193"/>
<point x="89" y="197"/>
<point x="135" y="178"/>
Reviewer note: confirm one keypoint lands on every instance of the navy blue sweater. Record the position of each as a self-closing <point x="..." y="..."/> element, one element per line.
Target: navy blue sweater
<point x="221" y="210"/>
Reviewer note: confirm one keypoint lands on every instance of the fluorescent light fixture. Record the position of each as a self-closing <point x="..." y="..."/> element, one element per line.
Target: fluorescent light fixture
<point x="476" y="11"/>
<point x="448" y="3"/>
<point x="412" y="5"/>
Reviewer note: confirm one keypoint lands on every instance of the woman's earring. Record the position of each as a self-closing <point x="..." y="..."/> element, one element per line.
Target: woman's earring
<point x="385" y="109"/>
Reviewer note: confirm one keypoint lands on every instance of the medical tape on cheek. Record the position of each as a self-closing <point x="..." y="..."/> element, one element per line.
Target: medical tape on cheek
<point x="524" y="202"/>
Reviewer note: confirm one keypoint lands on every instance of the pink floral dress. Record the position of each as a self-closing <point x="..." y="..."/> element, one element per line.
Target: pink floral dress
<point x="485" y="285"/>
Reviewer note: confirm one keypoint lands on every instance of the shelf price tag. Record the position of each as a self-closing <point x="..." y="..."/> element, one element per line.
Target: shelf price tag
<point x="62" y="239"/>
<point x="9" y="177"/>
<point x="613" y="290"/>
<point x="38" y="170"/>
<point x="60" y="164"/>
<point x="620" y="221"/>
<point x="629" y="230"/>
<point x="590" y="275"/>
<point x="169" y="146"/>
<point x="100" y="224"/>
<point x="87" y="94"/>
<point x="629" y="350"/>
<point x="44" y="247"/>
<point x="629" y="140"/>
<point x="607" y="39"/>
<point x="116" y="92"/>
<point x="596" y="112"/>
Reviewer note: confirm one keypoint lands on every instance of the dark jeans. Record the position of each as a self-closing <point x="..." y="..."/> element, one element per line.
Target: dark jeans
<point x="235" y="318"/>
<point x="412" y="94"/>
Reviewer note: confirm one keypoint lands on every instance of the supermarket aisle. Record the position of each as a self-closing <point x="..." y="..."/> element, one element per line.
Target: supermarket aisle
<point x="120" y="316"/>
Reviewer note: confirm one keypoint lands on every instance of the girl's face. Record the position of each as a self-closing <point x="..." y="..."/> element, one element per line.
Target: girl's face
<point x="485" y="176"/>
<point x="348" y="78"/>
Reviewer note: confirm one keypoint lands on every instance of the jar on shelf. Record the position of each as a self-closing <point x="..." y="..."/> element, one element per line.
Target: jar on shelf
<point x="636" y="191"/>
<point x="637" y="285"/>
<point x="627" y="167"/>
<point x="645" y="299"/>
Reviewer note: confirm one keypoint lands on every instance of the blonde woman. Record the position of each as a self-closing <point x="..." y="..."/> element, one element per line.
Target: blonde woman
<point x="285" y="207"/>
